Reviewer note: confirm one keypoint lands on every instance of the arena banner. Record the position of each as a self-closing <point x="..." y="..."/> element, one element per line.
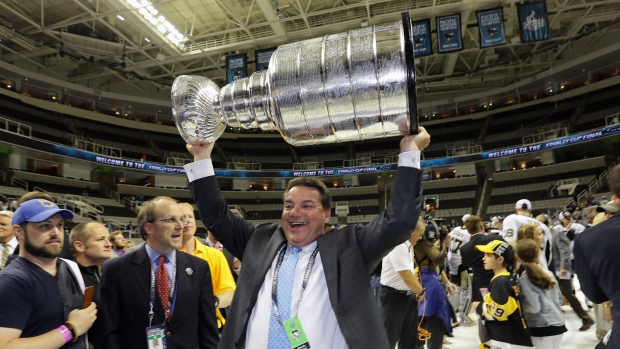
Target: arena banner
<point x="262" y="57"/>
<point x="422" y="42"/>
<point x="13" y="139"/>
<point x="533" y="21"/>
<point x="236" y="67"/>
<point x="449" y="33"/>
<point x="491" y="27"/>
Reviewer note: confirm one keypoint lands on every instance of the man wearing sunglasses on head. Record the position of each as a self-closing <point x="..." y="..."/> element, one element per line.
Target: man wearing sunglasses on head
<point x="156" y="292"/>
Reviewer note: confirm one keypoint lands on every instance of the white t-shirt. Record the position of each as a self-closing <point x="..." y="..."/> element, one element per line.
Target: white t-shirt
<point x="401" y="258"/>
<point x="460" y="236"/>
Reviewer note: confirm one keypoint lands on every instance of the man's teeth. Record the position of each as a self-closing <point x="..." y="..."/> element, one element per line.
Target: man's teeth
<point x="298" y="224"/>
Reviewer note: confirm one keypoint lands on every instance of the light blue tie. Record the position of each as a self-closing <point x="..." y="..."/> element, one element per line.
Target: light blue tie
<point x="277" y="335"/>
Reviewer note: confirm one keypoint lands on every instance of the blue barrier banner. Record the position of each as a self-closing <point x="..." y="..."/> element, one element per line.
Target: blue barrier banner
<point x="262" y="57"/>
<point x="449" y="33"/>
<point x="491" y="27"/>
<point x="533" y="21"/>
<point x="236" y="67"/>
<point x="422" y="42"/>
<point x="10" y="139"/>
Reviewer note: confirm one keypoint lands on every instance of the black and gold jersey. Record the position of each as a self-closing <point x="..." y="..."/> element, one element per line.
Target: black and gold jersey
<point x="501" y="312"/>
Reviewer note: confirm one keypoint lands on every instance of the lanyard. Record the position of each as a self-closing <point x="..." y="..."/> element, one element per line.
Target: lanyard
<point x="170" y="298"/>
<point x="274" y="283"/>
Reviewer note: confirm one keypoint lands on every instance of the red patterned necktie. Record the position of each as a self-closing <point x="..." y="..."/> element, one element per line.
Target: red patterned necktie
<point x="163" y="287"/>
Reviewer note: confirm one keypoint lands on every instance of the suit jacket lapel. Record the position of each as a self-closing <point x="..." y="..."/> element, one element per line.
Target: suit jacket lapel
<point x="141" y="270"/>
<point x="183" y="286"/>
<point x="329" y="258"/>
<point x="273" y="246"/>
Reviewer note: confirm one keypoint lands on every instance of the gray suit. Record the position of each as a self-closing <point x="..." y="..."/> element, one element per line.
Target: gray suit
<point x="348" y="256"/>
<point x="561" y="250"/>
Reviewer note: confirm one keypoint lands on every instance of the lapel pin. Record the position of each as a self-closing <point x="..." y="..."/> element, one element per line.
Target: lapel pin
<point x="189" y="271"/>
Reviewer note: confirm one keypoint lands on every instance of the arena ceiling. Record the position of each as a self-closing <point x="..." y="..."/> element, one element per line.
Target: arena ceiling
<point x="109" y="40"/>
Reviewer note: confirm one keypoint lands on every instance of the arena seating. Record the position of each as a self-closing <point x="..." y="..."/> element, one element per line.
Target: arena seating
<point x="535" y="184"/>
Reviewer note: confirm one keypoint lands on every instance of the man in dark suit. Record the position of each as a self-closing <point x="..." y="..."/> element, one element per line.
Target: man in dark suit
<point x="176" y="286"/>
<point x="596" y="262"/>
<point x="337" y="309"/>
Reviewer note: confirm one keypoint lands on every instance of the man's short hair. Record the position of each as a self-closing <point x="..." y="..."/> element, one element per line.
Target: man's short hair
<point x="7" y="213"/>
<point x="35" y="195"/>
<point x="472" y="224"/>
<point x="326" y="196"/>
<point x="79" y="233"/>
<point x="188" y="205"/>
<point x="613" y="180"/>
<point x="114" y="234"/>
<point x="145" y="215"/>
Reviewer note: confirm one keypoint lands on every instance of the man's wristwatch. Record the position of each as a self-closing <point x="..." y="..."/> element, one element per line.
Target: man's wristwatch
<point x="217" y="302"/>
<point x="421" y="293"/>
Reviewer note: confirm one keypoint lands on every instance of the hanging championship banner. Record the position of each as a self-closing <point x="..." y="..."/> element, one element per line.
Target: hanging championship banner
<point x="533" y="21"/>
<point x="491" y="27"/>
<point x="236" y="67"/>
<point x="422" y="44"/>
<point x="449" y="34"/>
<point x="262" y="57"/>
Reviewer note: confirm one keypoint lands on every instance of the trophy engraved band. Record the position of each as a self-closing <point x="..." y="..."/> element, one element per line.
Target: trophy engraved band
<point x="342" y="87"/>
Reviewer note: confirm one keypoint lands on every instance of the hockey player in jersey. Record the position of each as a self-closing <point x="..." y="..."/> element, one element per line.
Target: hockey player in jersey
<point x="459" y="236"/>
<point x="522" y="215"/>
<point x="500" y="308"/>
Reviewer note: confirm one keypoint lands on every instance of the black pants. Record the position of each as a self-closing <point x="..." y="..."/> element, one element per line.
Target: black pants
<point x="399" y="313"/>
<point x="566" y="290"/>
<point x="436" y="327"/>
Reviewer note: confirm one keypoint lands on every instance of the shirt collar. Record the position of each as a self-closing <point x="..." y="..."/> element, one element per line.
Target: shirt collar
<point x="307" y="248"/>
<point x="200" y="247"/>
<point x="408" y="244"/>
<point x="91" y="270"/>
<point x="210" y="243"/>
<point x="154" y="255"/>
<point x="13" y="242"/>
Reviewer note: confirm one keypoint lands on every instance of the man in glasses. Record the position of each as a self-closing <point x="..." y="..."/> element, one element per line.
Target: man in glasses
<point x="156" y="291"/>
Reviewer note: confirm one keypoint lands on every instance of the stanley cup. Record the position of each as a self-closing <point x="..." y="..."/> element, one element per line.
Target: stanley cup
<point x="342" y="87"/>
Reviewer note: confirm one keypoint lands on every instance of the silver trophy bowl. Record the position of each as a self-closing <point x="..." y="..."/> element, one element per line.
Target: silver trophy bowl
<point x="342" y="87"/>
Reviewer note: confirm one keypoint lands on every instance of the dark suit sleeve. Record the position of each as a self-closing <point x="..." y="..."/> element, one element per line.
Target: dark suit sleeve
<point x="394" y="225"/>
<point x="588" y="278"/>
<point x="109" y="310"/>
<point x="231" y="230"/>
<point x="208" y="335"/>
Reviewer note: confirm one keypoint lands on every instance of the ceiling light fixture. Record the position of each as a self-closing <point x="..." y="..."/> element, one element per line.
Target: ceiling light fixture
<point x="120" y="17"/>
<point x="157" y="21"/>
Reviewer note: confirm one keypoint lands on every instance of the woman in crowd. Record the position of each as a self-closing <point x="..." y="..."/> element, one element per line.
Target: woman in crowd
<point x="541" y="298"/>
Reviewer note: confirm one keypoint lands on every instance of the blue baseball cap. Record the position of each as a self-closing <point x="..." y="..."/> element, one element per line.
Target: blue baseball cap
<point x="38" y="210"/>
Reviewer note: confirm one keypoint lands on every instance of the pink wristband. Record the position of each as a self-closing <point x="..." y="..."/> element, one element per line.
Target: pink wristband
<point x="66" y="333"/>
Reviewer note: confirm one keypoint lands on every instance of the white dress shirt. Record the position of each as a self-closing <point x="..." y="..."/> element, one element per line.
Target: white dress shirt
<point x="12" y="245"/>
<point x="315" y="311"/>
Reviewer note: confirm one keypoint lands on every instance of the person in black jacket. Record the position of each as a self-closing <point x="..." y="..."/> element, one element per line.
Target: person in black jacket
<point x="92" y="247"/>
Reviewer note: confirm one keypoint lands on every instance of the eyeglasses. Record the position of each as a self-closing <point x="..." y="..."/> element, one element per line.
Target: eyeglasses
<point x="174" y="220"/>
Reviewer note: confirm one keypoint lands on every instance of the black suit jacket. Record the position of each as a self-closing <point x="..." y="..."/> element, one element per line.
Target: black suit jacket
<point x="348" y="256"/>
<point x="597" y="266"/>
<point x="125" y="295"/>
